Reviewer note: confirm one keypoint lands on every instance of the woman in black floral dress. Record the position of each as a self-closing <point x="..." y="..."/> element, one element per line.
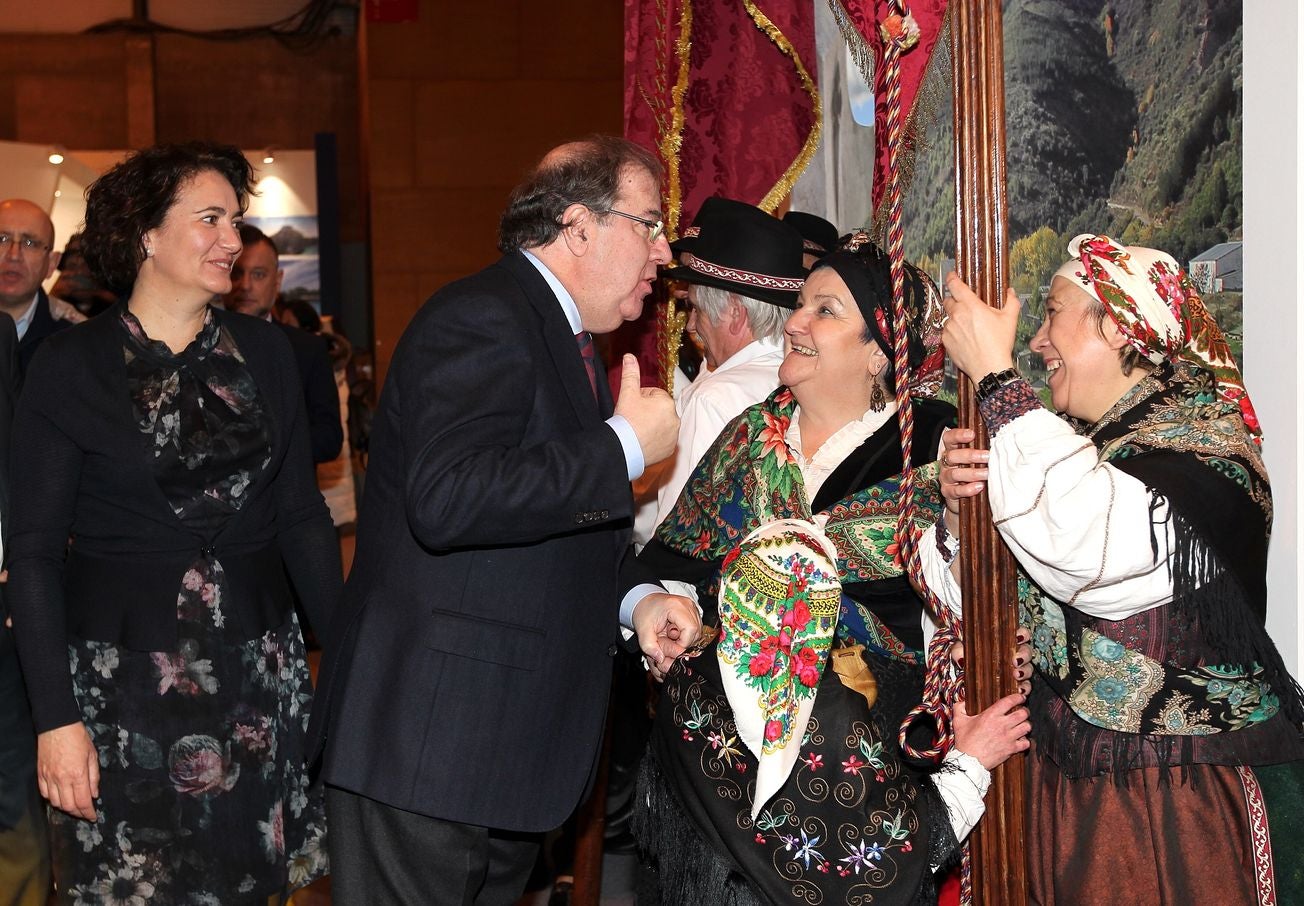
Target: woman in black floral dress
<point x="163" y="487"/>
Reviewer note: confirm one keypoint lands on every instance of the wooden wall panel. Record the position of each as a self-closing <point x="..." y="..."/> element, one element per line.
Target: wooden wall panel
<point x="257" y="92"/>
<point x="393" y="164"/>
<point x="452" y="39"/>
<point x="67" y="90"/>
<point x="89" y="92"/>
<point x="464" y="101"/>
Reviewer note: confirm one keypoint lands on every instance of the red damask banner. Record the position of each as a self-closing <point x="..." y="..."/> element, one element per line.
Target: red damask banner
<point x="726" y="93"/>
<point x="867" y="16"/>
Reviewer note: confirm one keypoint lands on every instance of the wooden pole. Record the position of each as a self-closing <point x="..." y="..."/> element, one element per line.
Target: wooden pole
<point x="987" y="580"/>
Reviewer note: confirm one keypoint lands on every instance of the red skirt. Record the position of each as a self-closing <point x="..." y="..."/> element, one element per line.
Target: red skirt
<point x="1201" y="836"/>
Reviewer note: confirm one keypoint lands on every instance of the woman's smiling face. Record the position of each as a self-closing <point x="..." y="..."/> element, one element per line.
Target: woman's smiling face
<point x="1082" y="355"/>
<point x="824" y="341"/>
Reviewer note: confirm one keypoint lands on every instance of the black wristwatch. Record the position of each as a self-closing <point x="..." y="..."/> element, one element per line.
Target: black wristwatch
<point x="995" y="381"/>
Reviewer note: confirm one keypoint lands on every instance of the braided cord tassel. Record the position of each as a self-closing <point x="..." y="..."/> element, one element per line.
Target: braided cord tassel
<point x="942" y="684"/>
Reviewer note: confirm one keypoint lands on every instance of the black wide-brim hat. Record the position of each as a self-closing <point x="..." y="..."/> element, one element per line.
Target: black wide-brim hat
<point x="740" y="248"/>
<point x="715" y="206"/>
<point x="818" y="235"/>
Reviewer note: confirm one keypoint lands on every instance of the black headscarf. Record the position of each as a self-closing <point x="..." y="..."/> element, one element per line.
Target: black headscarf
<point x="864" y="267"/>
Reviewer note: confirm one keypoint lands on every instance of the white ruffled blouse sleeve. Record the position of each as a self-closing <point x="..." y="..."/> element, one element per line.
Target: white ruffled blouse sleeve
<point x="1088" y="534"/>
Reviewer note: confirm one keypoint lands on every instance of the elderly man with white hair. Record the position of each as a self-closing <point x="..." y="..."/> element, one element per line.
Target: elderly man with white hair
<point x="743" y="269"/>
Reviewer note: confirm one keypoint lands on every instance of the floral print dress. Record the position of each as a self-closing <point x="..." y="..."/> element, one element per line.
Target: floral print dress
<point x="204" y="797"/>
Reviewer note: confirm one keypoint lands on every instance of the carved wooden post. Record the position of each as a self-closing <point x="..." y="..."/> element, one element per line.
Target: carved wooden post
<point x="990" y="613"/>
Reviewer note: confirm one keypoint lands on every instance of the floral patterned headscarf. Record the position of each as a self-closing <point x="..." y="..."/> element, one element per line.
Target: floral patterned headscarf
<point x="1156" y="306"/>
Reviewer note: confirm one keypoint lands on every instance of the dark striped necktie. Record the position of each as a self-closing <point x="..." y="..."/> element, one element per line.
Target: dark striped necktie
<point x="585" y="341"/>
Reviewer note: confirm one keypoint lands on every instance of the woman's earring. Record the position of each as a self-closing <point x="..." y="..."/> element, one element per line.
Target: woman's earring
<point x="149" y="252"/>
<point x="877" y="397"/>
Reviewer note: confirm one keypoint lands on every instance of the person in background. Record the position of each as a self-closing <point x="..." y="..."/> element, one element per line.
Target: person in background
<point x="162" y="494"/>
<point x="24" y="840"/>
<point x="1168" y="762"/>
<point x="740" y="270"/>
<point x="76" y="286"/>
<point x="255" y="282"/>
<point x="298" y="313"/>
<point x="27" y="259"/>
<point x="743" y="273"/>
<point x="334" y="478"/>
<point x="819" y="237"/>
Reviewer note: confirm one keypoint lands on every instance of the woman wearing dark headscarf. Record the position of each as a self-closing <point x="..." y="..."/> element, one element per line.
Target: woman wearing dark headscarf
<point x="776" y="774"/>
<point x="1167" y="729"/>
<point x="163" y="489"/>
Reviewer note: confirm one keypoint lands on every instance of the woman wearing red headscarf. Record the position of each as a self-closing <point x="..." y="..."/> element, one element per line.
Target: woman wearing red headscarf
<point x="1167" y="730"/>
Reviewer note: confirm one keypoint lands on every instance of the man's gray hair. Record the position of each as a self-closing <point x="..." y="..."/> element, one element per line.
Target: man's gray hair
<point x="586" y="172"/>
<point x="766" y="320"/>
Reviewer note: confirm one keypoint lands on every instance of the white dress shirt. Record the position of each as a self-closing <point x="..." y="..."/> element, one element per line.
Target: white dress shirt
<point x="708" y="404"/>
<point x="634" y="462"/>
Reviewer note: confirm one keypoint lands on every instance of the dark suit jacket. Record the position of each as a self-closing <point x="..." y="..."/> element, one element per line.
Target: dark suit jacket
<point x="470" y="676"/>
<point x="83" y="471"/>
<point x="17" y="740"/>
<point x="319" y="392"/>
<point x="41" y="326"/>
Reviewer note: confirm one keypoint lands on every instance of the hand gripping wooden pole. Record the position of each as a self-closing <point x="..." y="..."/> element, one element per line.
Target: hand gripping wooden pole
<point x="987" y="579"/>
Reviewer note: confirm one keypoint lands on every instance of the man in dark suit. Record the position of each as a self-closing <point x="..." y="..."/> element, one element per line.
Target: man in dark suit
<point x="24" y="844"/>
<point x="255" y="281"/>
<point x="466" y="684"/>
<point x="27" y="258"/>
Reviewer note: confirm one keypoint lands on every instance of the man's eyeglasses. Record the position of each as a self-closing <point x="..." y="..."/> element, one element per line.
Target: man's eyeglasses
<point x="26" y="244"/>
<point x="654" y="227"/>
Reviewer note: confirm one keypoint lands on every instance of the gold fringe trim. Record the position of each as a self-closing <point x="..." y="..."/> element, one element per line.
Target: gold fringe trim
<point x="671" y="328"/>
<point x="673" y="138"/>
<point x="783" y="187"/>
<point x="861" y="55"/>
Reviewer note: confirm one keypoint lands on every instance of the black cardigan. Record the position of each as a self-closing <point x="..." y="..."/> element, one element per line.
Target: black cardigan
<point x="96" y="551"/>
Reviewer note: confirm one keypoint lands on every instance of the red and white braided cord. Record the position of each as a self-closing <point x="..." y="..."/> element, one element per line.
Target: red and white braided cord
<point x="942" y="684"/>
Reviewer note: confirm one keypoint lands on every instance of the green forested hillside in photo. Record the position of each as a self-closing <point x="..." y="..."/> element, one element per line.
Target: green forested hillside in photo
<point x="1122" y="117"/>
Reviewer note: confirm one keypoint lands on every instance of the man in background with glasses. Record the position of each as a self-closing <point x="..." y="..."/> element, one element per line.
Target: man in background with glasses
<point x="25" y="260"/>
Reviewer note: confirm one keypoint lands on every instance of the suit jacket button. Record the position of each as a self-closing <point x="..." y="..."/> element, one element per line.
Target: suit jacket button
<point x="611" y="652"/>
<point x="604" y="515"/>
<point x="579" y="518"/>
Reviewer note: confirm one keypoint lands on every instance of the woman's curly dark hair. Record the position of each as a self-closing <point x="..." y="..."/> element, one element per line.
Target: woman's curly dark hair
<point x="134" y="197"/>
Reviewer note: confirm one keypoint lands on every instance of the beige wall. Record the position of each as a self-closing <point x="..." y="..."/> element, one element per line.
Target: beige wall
<point x="461" y="104"/>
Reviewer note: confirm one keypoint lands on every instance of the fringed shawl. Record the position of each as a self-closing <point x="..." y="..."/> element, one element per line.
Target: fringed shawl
<point x="1199" y="679"/>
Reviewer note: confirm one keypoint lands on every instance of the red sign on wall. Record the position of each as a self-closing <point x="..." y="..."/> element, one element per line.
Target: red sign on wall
<point x="393" y="10"/>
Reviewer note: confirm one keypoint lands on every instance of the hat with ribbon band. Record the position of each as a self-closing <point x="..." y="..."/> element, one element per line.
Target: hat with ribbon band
<point x="742" y="249"/>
